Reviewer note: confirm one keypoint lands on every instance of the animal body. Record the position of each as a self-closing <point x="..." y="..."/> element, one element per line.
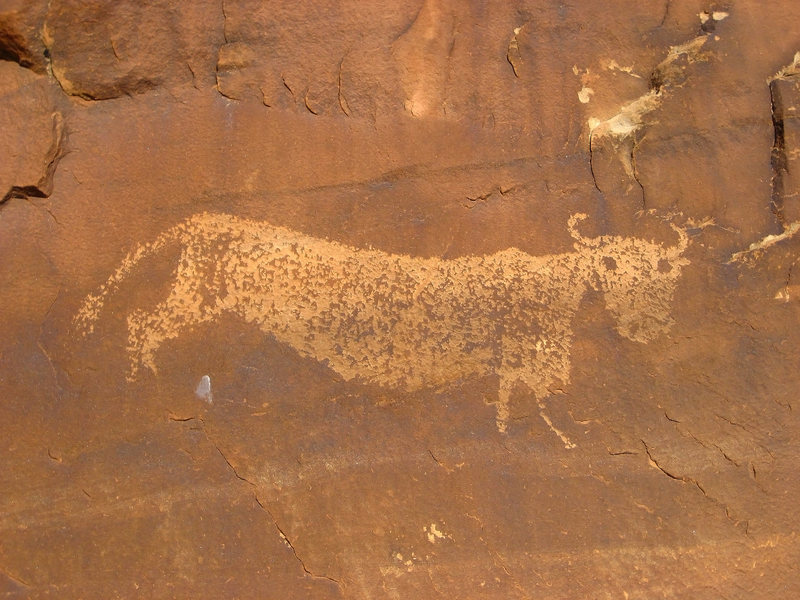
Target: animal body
<point x="396" y="320"/>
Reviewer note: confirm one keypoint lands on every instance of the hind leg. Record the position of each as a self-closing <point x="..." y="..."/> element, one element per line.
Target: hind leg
<point x="183" y="309"/>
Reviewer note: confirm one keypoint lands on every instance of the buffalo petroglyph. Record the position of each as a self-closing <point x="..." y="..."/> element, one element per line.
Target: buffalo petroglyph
<point x="396" y="320"/>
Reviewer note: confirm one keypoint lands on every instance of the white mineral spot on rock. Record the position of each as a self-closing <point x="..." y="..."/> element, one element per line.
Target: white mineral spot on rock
<point x="717" y="15"/>
<point x="770" y="240"/>
<point x="584" y="94"/>
<point x="434" y="533"/>
<point x="203" y="389"/>
<point x="613" y="65"/>
<point x="792" y="68"/>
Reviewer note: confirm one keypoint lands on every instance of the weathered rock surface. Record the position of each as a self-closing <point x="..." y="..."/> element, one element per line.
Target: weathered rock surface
<point x="399" y="300"/>
<point x="34" y="133"/>
<point x="21" y="23"/>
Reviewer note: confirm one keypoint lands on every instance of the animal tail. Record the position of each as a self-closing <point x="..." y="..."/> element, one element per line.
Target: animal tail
<point x="90" y="309"/>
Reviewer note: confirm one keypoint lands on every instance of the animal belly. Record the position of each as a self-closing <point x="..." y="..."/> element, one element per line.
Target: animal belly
<point x="355" y="342"/>
<point x="364" y="330"/>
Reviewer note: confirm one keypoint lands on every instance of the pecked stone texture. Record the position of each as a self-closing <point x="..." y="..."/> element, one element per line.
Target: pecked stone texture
<point x="399" y="300"/>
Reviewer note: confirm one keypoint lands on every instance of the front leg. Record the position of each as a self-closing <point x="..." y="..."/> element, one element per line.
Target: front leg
<point x="507" y="384"/>
<point x="503" y="398"/>
<point x="538" y="361"/>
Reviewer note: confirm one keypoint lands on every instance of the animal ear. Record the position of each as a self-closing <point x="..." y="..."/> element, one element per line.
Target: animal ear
<point x="571" y="222"/>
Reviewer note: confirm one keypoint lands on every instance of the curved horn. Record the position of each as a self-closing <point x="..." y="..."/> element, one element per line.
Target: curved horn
<point x="683" y="240"/>
<point x="571" y="222"/>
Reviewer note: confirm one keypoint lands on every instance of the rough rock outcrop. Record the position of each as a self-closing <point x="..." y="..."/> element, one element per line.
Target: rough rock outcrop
<point x="34" y="133"/>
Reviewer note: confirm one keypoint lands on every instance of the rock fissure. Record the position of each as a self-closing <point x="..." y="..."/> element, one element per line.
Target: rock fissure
<point x="258" y="501"/>
<point x="635" y="171"/>
<point x="22" y="191"/>
<point x="224" y="22"/>
<point x="591" y="165"/>
<point x="15" y="578"/>
<point x="665" y="14"/>
<point x="503" y="191"/>
<point x="43" y="188"/>
<point x="307" y="104"/>
<point x="789" y="273"/>
<point x="778" y="158"/>
<point x="12" y="49"/>
<point x="694" y="482"/>
<point x="712" y="446"/>
<point x="655" y="464"/>
<point x="339" y="94"/>
<point x="288" y="87"/>
<point x="513" y="55"/>
<point x="439" y="462"/>
<point x="290" y="545"/>
<point x="225" y="42"/>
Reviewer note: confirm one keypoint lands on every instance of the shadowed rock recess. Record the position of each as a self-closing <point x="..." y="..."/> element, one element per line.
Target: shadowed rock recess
<point x="429" y="299"/>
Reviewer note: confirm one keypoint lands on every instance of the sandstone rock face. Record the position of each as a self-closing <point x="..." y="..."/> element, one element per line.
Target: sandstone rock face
<point x="399" y="300"/>
<point x="34" y="133"/>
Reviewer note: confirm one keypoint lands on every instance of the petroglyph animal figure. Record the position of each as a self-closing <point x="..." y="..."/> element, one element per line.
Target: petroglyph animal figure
<point x="397" y="320"/>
